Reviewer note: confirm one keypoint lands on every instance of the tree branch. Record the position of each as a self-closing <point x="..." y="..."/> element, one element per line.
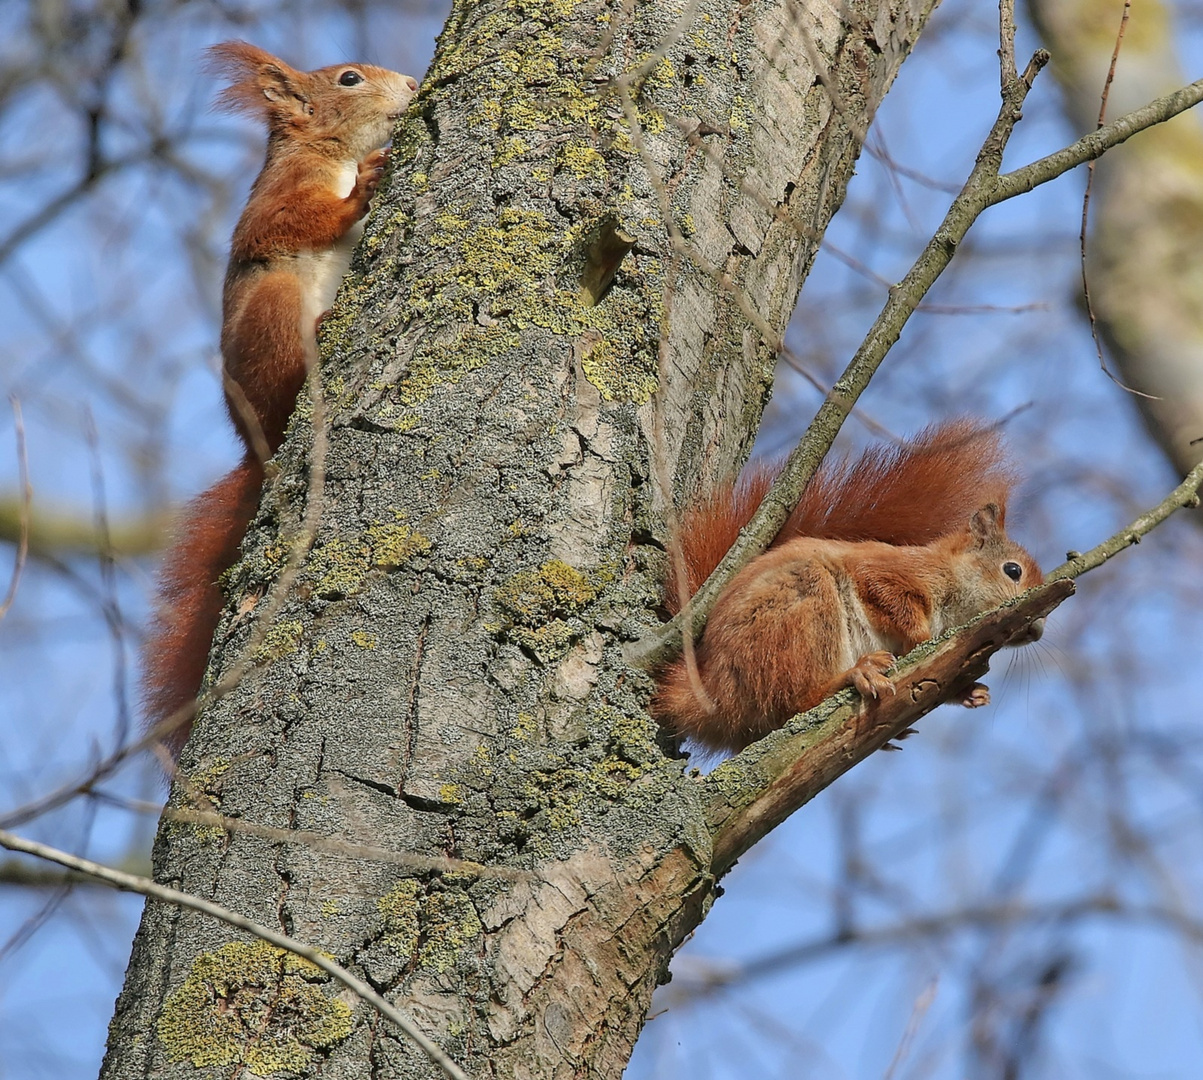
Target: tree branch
<point x="1095" y="144"/>
<point x="753" y="792"/>
<point x="22" y="511"/>
<point x="61" y="534"/>
<point x="131" y="883"/>
<point x="1185" y="494"/>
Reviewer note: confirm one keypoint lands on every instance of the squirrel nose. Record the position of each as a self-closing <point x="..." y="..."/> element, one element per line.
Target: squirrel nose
<point x="1034" y="632"/>
<point x="412" y="83"/>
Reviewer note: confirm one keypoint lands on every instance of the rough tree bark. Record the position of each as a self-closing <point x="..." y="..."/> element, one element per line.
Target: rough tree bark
<point x="522" y="349"/>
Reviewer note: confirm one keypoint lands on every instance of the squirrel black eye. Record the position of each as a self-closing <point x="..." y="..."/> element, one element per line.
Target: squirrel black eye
<point x="1013" y="570"/>
<point x="350" y="78"/>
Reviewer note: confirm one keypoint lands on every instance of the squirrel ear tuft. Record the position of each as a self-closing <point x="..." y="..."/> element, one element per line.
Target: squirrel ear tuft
<point x="260" y="83"/>
<point x="986" y="522"/>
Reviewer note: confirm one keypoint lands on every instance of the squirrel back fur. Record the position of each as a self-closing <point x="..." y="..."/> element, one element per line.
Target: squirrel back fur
<point x="907" y="494"/>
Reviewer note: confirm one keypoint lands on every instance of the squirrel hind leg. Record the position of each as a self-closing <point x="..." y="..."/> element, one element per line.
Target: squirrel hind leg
<point x="268" y="344"/>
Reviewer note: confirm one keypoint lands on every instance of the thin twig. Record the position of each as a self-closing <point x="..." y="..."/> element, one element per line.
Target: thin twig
<point x="1094" y="326"/>
<point x="26" y="499"/>
<point x="132" y="883"/>
<point x="1185" y="494"/>
<point x="918" y="1011"/>
<point x="110" y="601"/>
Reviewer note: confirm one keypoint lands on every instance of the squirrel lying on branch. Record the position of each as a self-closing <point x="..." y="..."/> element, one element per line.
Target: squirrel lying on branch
<point x="879" y="555"/>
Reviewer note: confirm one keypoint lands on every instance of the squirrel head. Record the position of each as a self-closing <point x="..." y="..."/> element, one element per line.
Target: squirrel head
<point x="989" y="568"/>
<point x="351" y="107"/>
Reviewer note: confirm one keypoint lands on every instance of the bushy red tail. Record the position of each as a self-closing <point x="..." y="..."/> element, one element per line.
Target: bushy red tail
<point x="907" y="494"/>
<point x="189" y="604"/>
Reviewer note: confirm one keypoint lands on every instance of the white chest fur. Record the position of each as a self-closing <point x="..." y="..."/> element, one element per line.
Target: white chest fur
<point x="346" y="179"/>
<point x="859" y="636"/>
<point x="321" y="272"/>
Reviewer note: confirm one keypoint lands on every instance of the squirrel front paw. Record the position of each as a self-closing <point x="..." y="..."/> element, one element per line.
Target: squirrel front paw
<point x="367" y="178"/>
<point x="868" y="675"/>
<point x="976" y="696"/>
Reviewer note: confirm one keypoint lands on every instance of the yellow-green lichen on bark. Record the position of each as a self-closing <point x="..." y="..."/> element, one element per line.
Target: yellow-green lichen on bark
<point x="615" y="378"/>
<point x="337" y="568"/>
<point x="449" y="925"/>
<point x="394" y="545"/>
<point x="399" y="908"/>
<point x="553" y="792"/>
<point x="564" y="793"/>
<point x="539" y="607"/>
<point x="281" y="640"/>
<point x="435" y="926"/>
<point x="204" y="785"/>
<point x="500" y="265"/>
<point x="252" y="1005"/>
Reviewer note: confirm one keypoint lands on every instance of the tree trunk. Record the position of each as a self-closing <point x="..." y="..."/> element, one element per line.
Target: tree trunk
<point x="446" y="677"/>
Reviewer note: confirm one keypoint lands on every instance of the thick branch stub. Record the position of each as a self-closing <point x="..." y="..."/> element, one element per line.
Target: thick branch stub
<point x="755" y="791"/>
<point x="604" y="252"/>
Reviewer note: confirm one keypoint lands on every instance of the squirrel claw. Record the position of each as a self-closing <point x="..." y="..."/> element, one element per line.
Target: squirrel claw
<point x="868" y="675"/>
<point x="976" y="696"/>
<point x="371" y="169"/>
<point x="375" y="160"/>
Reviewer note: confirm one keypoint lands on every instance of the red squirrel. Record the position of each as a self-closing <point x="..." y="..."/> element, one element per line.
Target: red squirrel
<point x="290" y="249"/>
<point x="879" y="555"/>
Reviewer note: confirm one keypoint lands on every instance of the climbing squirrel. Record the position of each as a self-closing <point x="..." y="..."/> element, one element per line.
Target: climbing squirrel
<point x="290" y="249"/>
<point x="880" y="554"/>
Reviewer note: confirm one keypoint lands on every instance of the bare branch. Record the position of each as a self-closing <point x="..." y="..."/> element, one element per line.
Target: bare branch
<point x="1185" y="494"/>
<point x="23" y="512"/>
<point x="756" y="790"/>
<point x="1094" y="324"/>
<point x="1095" y="144"/>
<point x="64" y="533"/>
